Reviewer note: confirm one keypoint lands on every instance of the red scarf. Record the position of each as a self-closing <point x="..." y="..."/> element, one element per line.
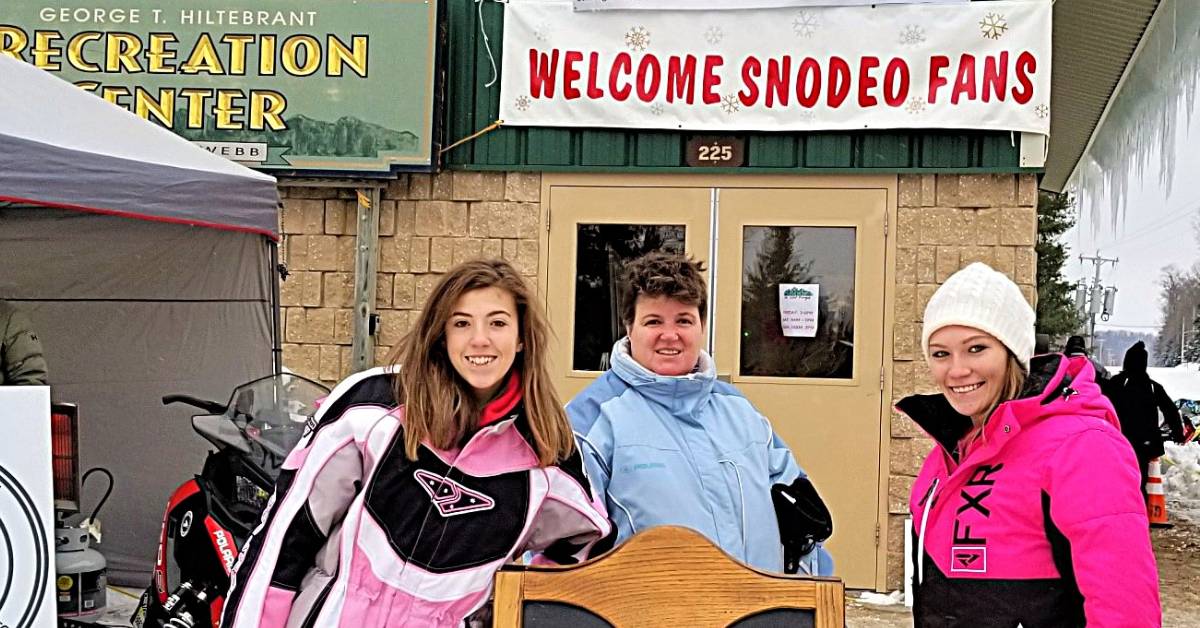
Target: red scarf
<point x="502" y="404"/>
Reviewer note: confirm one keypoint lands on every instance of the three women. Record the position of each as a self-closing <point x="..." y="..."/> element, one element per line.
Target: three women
<point x="419" y="482"/>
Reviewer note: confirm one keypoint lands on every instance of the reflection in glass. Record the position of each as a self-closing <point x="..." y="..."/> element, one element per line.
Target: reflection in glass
<point x="602" y="250"/>
<point x="804" y="255"/>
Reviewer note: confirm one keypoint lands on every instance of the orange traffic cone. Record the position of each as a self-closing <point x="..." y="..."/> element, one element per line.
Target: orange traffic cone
<point x="1156" y="499"/>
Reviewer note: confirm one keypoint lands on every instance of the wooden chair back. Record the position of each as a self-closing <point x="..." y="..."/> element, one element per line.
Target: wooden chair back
<point x="665" y="576"/>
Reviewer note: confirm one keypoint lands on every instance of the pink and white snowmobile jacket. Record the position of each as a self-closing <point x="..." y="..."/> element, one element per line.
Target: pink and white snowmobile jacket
<point x="1040" y="523"/>
<point x="357" y="535"/>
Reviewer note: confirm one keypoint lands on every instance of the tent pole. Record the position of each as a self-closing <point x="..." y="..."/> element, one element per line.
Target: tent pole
<point x="276" y="332"/>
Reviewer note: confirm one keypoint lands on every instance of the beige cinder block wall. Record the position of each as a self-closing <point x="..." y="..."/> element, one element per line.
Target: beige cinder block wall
<point x="945" y="222"/>
<point x="427" y="224"/>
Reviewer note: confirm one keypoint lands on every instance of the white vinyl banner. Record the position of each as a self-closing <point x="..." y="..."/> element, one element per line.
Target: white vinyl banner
<point x="979" y="65"/>
<point x="708" y="5"/>
<point x="26" y="509"/>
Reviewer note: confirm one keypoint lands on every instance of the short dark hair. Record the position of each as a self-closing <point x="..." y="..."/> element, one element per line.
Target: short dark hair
<point x="659" y="274"/>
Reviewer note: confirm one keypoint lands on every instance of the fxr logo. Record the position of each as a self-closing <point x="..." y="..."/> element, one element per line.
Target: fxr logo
<point x="968" y="559"/>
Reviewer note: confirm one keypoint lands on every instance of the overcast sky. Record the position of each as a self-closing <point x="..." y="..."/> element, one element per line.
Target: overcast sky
<point x="1156" y="231"/>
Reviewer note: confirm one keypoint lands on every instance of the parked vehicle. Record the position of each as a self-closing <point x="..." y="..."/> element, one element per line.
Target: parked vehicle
<point x="209" y="518"/>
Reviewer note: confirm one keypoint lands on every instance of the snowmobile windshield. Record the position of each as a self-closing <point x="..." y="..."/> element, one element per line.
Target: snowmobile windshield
<point x="265" y="419"/>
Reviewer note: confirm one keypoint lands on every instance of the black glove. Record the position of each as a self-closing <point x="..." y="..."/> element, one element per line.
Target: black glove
<point x="804" y="520"/>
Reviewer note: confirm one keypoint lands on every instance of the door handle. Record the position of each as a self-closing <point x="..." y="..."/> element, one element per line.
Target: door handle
<point x="723" y="377"/>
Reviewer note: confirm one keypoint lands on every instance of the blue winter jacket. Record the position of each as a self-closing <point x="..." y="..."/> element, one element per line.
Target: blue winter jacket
<point x="688" y="451"/>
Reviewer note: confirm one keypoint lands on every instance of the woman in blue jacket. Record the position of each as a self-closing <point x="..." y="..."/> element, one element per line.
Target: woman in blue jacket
<point x="668" y="444"/>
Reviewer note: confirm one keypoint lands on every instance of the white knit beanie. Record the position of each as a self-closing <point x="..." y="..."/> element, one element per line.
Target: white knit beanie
<point x="980" y="297"/>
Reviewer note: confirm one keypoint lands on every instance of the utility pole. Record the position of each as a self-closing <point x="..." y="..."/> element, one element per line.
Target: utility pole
<point x="1098" y="299"/>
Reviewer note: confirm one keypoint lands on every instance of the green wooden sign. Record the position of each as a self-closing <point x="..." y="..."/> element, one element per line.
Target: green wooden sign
<point x="309" y="85"/>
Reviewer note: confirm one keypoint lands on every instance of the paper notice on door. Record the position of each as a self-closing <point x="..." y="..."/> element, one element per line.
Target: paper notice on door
<point x="798" y="309"/>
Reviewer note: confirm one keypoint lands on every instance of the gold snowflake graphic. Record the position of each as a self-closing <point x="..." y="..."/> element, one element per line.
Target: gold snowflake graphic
<point x="993" y="25"/>
<point x="638" y="39"/>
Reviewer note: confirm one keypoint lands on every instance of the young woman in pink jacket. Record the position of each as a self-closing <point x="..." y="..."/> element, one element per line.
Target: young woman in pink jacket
<point x="419" y="480"/>
<point x="1027" y="512"/>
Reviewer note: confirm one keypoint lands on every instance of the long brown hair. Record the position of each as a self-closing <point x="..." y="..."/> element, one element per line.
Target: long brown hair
<point x="440" y="407"/>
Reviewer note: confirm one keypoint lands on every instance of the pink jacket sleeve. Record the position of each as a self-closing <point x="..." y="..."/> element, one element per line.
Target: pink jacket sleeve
<point x="316" y="484"/>
<point x="1092" y="481"/>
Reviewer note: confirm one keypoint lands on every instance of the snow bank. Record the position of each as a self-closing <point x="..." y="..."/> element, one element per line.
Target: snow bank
<point x="1181" y="477"/>
<point x="1181" y="382"/>
<point x="881" y="599"/>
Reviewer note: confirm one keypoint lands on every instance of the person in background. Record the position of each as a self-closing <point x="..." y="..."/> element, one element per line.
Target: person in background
<point x="1076" y="346"/>
<point x="667" y="444"/>
<point x="1138" y="401"/>
<point x="1041" y="344"/>
<point x="421" y="479"/>
<point x="21" y="359"/>
<point x="1027" y="511"/>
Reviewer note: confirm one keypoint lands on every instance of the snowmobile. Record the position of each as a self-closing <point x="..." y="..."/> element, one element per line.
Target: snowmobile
<point x="210" y="517"/>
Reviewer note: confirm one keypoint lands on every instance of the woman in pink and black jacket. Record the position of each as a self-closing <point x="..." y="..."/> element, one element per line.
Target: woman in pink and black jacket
<point x="1027" y="512"/>
<point x="416" y="484"/>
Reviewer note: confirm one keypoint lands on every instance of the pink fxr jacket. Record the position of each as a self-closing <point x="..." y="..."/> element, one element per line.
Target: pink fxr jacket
<point x="1041" y="522"/>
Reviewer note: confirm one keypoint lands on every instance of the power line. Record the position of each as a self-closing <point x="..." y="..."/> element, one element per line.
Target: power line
<point x="1170" y="218"/>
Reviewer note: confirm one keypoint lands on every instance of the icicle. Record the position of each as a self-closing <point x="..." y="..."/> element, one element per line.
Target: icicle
<point x="1143" y="119"/>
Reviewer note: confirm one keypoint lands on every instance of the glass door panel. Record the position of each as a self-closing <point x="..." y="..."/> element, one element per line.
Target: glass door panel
<point x="601" y="252"/>
<point x="594" y="231"/>
<point x="820" y="258"/>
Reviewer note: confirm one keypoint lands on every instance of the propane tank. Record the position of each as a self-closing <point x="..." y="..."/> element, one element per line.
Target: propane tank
<point x="82" y="583"/>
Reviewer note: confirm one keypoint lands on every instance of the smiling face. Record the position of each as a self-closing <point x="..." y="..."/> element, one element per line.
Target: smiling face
<point x="483" y="339"/>
<point x="666" y="335"/>
<point x="970" y="367"/>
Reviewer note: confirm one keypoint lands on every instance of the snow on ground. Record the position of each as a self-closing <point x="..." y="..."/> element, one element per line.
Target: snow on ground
<point x="881" y="599"/>
<point x="1181" y="479"/>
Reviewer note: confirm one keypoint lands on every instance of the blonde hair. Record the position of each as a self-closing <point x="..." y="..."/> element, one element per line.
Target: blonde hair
<point x="440" y="406"/>
<point x="1014" y="381"/>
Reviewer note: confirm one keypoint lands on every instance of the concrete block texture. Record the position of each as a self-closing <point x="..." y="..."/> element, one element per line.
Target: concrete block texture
<point x="476" y="186"/>
<point x="899" y="489"/>
<point x="926" y="264"/>
<point x="949" y="260"/>
<point x="1018" y="226"/>
<point x="394" y="254"/>
<point x="908" y="226"/>
<point x="523" y="186"/>
<point x="909" y="453"/>
<point x="427" y="224"/>
<point x="895" y="551"/>
<point x="906" y="264"/>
